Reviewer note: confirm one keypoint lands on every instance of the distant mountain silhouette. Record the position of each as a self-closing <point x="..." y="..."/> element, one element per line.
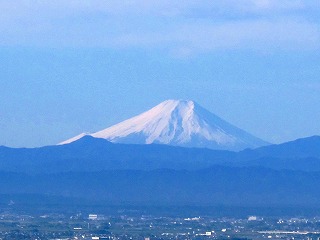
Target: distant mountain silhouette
<point x="300" y="148"/>
<point x="95" y="154"/>
<point x="301" y="154"/>
<point x="93" y="170"/>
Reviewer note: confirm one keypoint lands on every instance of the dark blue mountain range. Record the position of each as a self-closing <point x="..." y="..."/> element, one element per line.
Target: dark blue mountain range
<point x="94" y="154"/>
<point x="97" y="171"/>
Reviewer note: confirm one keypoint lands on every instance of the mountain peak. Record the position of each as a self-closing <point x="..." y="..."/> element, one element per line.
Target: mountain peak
<point x="178" y="123"/>
<point x="178" y="102"/>
<point x="168" y="106"/>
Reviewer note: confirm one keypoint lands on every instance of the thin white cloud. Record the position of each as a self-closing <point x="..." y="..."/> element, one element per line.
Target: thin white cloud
<point x="182" y="27"/>
<point x="14" y="9"/>
<point x="259" y="35"/>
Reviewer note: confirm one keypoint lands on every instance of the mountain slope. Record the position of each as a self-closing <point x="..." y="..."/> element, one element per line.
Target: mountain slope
<point x="178" y="123"/>
<point x="301" y="154"/>
<point x="299" y="148"/>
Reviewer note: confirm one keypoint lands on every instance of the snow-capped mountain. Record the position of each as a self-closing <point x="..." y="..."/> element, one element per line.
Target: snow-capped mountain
<point x="178" y="123"/>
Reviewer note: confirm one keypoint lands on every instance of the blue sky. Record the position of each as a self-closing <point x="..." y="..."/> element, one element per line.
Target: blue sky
<point x="72" y="66"/>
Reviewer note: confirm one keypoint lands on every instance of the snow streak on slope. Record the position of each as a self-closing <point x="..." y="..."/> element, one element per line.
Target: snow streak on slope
<point x="179" y="123"/>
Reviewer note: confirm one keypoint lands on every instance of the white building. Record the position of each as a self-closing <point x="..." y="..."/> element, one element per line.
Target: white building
<point x="252" y="218"/>
<point x="93" y="217"/>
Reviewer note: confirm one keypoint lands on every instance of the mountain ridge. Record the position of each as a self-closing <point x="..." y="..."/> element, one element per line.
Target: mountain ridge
<point x="95" y="154"/>
<point x="94" y="169"/>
